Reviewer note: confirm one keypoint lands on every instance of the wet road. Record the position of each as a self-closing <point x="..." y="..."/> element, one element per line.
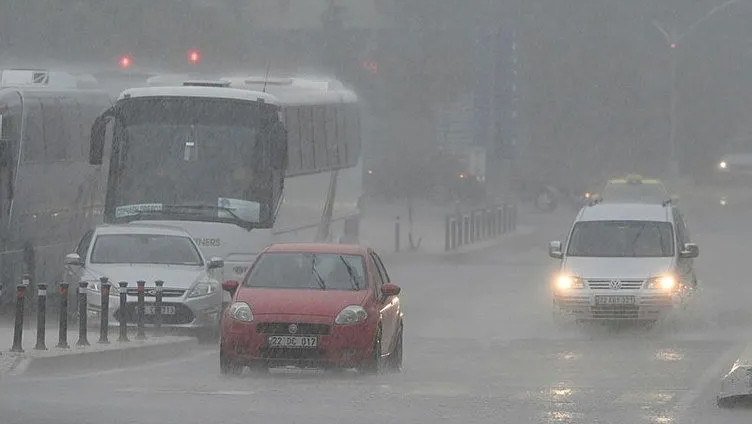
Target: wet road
<point x="481" y="347"/>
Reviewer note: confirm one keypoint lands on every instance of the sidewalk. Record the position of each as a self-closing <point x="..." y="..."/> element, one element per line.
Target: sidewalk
<point x="93" y="357"/>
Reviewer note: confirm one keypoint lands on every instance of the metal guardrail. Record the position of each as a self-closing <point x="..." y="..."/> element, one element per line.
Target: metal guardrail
<point x="465" y="228"/>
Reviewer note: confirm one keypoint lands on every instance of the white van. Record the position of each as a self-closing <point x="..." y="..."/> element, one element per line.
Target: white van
<point x="624" y="262"/>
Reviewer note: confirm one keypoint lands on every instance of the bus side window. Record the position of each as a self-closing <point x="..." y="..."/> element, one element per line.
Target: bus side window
<point x="341" y="135"/>
<point x="331" y="137"/>
<point x="353" y="134"/>
<point x="319" y="137"/>
<point x="56" y="134"/>
<point x="294" y="152"/>
<point x="306" y="138"/>
<point x="78" y="139"/>
<point x="33" y="134"/>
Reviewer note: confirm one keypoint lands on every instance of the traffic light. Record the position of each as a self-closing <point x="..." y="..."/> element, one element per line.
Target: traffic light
<point x="125" y="62"/>
<point x="194" y="56"/>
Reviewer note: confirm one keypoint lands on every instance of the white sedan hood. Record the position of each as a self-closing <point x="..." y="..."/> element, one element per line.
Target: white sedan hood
<point x="624" y="268"/>
<point x="176" y="276"/>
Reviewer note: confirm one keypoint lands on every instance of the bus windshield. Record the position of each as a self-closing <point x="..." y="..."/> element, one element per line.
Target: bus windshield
<point x="190" y="158"/>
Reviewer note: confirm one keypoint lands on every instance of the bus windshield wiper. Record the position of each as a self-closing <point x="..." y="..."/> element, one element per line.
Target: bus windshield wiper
<point x="353" y="279"/>
<point x="238" y="220"/>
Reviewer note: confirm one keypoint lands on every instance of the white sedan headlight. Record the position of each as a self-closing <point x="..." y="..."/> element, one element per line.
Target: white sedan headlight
<point x="95" y="286"/>
<point x="665" y="282"/>
<point x="204" y="288"/>
<point x="241" y="311"/>
<point x="352" y="314"/>
<point x="566" y="282"/>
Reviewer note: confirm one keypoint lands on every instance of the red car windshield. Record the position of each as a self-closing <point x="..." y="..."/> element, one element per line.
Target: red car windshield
<point x="322" y="271"/>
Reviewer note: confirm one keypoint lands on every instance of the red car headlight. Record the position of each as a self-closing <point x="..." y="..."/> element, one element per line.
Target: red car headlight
<point x="352" y="314"/>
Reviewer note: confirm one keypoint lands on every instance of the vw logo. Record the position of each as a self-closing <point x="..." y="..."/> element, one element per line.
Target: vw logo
<point x="293" y="328"/>
<point x="615" y="284"/>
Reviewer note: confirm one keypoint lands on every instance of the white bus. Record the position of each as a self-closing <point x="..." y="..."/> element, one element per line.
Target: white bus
<point x="49" y="193"/>
<point x="216" y="161"/>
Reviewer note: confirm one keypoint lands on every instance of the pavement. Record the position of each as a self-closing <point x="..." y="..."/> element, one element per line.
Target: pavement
<point x="480" y="347"/>
<point x="95" y="355"/>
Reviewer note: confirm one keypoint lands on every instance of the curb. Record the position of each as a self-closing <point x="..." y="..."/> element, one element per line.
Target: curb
<point x="136" y="353"/>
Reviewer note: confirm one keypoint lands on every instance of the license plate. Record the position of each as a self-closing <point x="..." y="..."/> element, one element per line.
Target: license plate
<point x="152" y="310"/>
<point x="293" y="341"/>
<point x="614" y="300"/>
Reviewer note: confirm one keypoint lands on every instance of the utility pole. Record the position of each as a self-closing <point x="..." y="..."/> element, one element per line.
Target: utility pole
<point x="673" y="40"/>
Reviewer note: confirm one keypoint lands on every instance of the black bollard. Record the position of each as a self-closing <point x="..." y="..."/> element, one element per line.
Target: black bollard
<point x="104" y="311"/>
<point x="123" y="312"/>
<point x="140" y="335"/>
<point x="447" y="234"/>
<point x="158" y="304"/>
<point x="41" y="316"/>
<point x="18" y="329"/>
<point x="397" y="235"/>
<point x="83" y="339"/>
<point x="63" y="328"/>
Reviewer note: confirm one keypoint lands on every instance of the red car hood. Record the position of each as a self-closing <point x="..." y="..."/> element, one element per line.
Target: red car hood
<point x="300" y="302"/>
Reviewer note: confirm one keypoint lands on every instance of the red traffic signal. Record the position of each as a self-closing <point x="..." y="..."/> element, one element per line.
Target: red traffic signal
<point x="194" y="56"/>
<point x="125" y="62"/>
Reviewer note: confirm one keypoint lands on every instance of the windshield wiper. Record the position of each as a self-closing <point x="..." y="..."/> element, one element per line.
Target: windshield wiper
<point x="236" y="219"/>
<point x="353" y="280"/>
<point x="319" y="280"/>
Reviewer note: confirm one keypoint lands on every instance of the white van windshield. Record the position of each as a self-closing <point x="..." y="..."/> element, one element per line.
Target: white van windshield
<point x="637" y="239"/>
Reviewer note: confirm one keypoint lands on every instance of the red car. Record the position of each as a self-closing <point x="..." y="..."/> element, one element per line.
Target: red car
<point x="323" y="305"/>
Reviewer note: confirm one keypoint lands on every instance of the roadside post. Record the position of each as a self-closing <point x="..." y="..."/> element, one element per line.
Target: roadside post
<point x="122" y="311"/>
<point x="18" y="328"/>
<point x="140" y="310"/>
<point x="63" y="324"/>
<point x="82" y="318"/>
<point x="41" y="316"/>
<point x="104" y="316"/>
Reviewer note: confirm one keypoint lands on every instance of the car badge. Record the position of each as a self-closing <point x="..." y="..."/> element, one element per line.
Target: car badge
<point x="293" y="328"/>
<point x="151" y="292"/>
<point x="615" y="284"/>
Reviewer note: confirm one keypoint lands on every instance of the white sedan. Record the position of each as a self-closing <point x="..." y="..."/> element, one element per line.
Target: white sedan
<point x="191" y="295"/>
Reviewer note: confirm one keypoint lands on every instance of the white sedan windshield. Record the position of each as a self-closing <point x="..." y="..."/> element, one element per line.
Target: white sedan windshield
<point x="145" y="249"/>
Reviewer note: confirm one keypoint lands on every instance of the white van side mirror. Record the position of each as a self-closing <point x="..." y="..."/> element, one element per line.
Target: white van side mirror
<point x="554" y="250"/>
<point x="215" y="263"/>
<point x="690" y="250"/>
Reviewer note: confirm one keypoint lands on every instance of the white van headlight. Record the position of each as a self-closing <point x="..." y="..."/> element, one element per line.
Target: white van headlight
<point x="566" y="282"/>
<point x="664" y="282"/>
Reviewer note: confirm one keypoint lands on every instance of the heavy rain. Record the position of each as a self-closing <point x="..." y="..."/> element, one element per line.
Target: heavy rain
<point x="407" y="211"/>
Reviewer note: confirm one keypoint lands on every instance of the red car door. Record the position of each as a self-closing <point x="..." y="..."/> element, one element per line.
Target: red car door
<point x="390" y="306"/>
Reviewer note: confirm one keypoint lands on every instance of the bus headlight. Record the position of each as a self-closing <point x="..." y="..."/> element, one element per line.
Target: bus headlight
<point x="723" y="164"/>
<point x="665" y="282"/>
<point x="568" y="282"/>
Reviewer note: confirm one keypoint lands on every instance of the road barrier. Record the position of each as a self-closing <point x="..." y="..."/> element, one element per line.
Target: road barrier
<point x="123" y="318"/>
<point x="18" y="328"/>
<point x="104" y="315"/>
<point x="105" y="291"/>
<point x="41" y="316"/>
<point x="83" y="339"/>
<point x="63" y="323"/>
<point x="158" y="304"/>
<point x="140" y="307"/>
<point x="464" y="228"/>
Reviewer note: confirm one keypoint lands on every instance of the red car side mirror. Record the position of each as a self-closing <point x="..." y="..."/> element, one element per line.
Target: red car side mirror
<point x="390" y="289"/>
<point x="230" y="286"/>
